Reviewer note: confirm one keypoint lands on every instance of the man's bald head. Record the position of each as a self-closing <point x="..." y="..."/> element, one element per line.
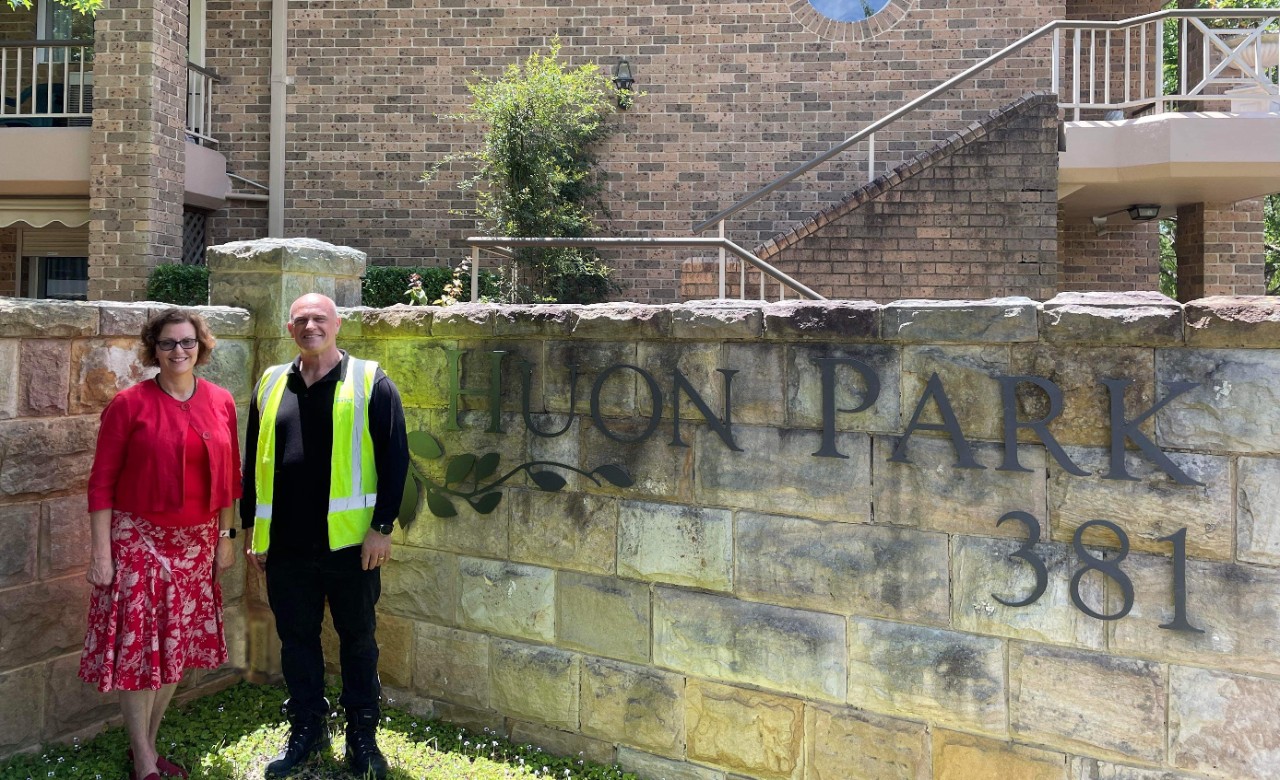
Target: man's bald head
<point x="314" y="324"/>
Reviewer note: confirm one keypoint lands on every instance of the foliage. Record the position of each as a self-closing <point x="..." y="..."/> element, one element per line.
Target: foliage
<point x="386" y="285"/>
<point x="83" y="6"/>
<point x="535" y="172"/>
<point x="179" y="284"/>
<point x="232" y="734"/>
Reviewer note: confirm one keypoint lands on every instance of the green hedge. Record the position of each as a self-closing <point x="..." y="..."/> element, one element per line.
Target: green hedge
<point x="385" y="285"/>
<point x="181" y="285"/>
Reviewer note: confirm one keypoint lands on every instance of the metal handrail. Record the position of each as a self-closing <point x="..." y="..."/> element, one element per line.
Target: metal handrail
<point x="960" y="78"/>
<point x="503" y="245"/>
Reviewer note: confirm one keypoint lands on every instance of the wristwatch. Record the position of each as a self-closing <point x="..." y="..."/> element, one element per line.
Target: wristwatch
<point x="383" y="528"/>
<point x="227" y="533"/>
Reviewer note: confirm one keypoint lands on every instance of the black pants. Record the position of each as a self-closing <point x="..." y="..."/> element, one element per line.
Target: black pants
<point x="297" y="587"/>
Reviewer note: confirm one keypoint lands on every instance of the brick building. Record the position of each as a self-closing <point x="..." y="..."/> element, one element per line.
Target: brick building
<point x="151" y="135"/>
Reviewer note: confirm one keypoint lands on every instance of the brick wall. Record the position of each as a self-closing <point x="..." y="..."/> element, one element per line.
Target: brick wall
<point x="1220" y="249"/>
<point x="1125" y="256"/>
<point x="62" y="363"/>
<point x="136" y="148"/>
<point x="974" y="219"/>
<point x="738" y="92"/>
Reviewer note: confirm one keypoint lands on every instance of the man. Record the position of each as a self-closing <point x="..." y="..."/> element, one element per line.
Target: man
<point x="325" y="464"/>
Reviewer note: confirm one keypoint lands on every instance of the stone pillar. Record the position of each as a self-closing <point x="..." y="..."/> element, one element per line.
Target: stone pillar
<point x="1220" y="250"/>
<point x="137" y="148"/>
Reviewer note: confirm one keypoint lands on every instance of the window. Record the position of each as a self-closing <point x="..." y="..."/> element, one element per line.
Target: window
<point x="57" y="22"/>
<point x="849" y="10"/>
<point x="55" y="262"/>
<point x="64" y="278"/>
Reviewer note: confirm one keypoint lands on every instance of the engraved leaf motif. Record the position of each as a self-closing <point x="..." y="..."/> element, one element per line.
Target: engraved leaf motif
<point x="424" y="445"/>
<point x="411" y="502"/>
<point x="439" y="505"/>
<point x="547" y="480"/>
<point x="615" y="475"/>
<point x="486" y="503"/>
<point x="459" y="467"/>
<point x="487" y="464"/>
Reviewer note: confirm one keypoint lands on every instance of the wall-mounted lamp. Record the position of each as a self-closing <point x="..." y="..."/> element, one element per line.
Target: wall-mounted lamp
<point x="623" y="81"/>
<point x="1143" y="212"/>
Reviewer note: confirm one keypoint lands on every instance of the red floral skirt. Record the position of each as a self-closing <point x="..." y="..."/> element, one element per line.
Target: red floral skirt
<point x="163" y="612"/>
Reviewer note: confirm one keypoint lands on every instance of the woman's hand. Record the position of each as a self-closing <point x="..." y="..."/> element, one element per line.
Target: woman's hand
<point x="102" y="570"/>
<point x="225" y="556"/>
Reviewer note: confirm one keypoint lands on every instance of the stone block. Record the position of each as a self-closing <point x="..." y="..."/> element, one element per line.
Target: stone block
<point x="43" y="456"/>
<point x="658" y="469"/>
<point x="19" y="540"/>
<point x="467" y="532"/>
<point x="230" y="367"/>
<point x="507" y="598"/>
<point x="100" y="368"/>
<point x="603" y="616"/>
<point x="677" y="544"/>
<point x="421" y="585"/>
<point x="759" y="386"/>
<point x="44" y="377"/>
<point x="564" y="530"/>
<point x="1237" y="606"/>
<point x="697" y="362"/>
<point x="116" y="318"/>
<point x="42" y="620"/>
<point x="849" y="744"/>
<point x="988" y="321"/>
<point x="395" y="650"/>
<point x="402" y="322"/>
<point x="619" y="321"/>
<point x="968" y="376"/>
<point x="1233" y="321"/>
<point x="777" y="472"/>
<point x="68" y="542"/>
<point x="475" y="369"/>
<point x="1233" y="408"/>
<point x="548" y="320"/>
<point x="950" y="677"/>
<point x="932" y="492"/>
<point x="745" y="731"/>
<point x="983" y="570"/>
<point x="539" y="684"/>
<point x="822" y="320"/>
<point x="968" y="757"/>
<point x="226" y="322"/>
<point x="563" y="743"/>
<point x="1129" y="319"/>
<point x="1224" y="724"/>
<point x="616" y="395"/>
<point x="724" y="639"/>
<point x="1085" y="702"/>
<point x="633" y="705"/>
<point x="22" y="711"/>
<point x="717" y="320"/>
<point x="419" y="371"/>
<point x="1095" y="769"/>
<point x="1078" y="372"/>
<point x="804" y="379"/>
<point x="451" y="665"/>
<point x="1150" y="506"/>
<point x="297" y="255"/>
<point x="71" y="704"/>
<point x="1257" y="522"/>
<point x="10" y="350"/>
<point x="849" y="569"/>
<point x="45" y="319"/>
<point x="643" y="764"/>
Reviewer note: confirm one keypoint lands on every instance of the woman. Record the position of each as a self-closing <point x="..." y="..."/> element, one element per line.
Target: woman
<point x="164" y="478"/>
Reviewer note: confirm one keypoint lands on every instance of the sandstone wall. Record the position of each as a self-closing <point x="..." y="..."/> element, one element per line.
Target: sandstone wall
<point x="778" y="596"/>
<point x="61" y="363"/>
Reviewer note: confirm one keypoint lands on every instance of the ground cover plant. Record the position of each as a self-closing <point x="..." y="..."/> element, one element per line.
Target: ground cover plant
<point x="231" y="735"/>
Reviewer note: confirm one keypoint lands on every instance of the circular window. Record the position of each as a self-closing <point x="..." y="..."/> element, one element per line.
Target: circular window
<point x="849" y="10"/>
<point x="849" y="20"/>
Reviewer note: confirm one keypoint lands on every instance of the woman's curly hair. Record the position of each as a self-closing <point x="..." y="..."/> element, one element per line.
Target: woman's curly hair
<point x="173" y="316"/>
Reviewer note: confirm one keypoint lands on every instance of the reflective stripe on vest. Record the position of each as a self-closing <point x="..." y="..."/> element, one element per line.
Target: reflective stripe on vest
<point x="352" y="475"/>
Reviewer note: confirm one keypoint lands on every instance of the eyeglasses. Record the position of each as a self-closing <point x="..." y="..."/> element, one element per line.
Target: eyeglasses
<point x="167" y="345"/>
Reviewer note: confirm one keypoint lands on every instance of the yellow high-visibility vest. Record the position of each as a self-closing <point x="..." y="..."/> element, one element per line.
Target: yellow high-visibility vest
<point x="353" y="476"/>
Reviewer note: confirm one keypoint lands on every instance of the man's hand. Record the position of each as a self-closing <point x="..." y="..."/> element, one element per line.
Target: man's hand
<point x="375" y="551"/>
<point x="256" y="561"/>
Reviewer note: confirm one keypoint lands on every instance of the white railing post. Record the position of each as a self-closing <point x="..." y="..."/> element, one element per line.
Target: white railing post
<point x="475" y="274"/>
<point x="1075" y="74"/>
<point x="1055" y="56"/>
<point x="1158" y="67"/>
<point x="723" y="269"/>
<point x="871" y="158"/>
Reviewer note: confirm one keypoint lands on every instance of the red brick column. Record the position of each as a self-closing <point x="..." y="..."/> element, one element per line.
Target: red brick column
<point x="1220" y="251"/>
<point x="136" y="154"/>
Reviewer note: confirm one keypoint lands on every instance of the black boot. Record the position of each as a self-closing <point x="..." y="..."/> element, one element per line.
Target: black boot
<point x="364" y="759"/>
<point x="308" y="735"/>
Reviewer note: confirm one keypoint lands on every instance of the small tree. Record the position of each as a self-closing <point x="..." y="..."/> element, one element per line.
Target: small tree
<point x="535" y="171"/>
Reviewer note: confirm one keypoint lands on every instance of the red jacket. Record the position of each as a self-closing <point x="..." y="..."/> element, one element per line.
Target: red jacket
<point x="137" y="467"/>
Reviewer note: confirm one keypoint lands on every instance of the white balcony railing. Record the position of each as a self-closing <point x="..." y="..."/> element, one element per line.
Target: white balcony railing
<point x="200" y="83"/>
<point x="46" y="83"/>
<point x="1171" y="62"/>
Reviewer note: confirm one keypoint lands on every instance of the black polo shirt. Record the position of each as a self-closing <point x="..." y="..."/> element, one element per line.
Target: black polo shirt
<point x="304" y="450"/>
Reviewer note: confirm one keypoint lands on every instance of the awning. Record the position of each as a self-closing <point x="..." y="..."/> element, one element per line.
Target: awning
<point x="39" y="212"/>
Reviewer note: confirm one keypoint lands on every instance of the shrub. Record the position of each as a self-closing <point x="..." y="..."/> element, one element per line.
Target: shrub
<point x="385" y="285"/>
<point x="181" y="285"/>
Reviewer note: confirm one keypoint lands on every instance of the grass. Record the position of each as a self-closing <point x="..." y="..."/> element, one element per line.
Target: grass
<point x="231" y="735"/>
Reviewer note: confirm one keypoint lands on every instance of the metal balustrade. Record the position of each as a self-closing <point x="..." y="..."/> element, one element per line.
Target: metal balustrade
<point x="200" y="83"/>
<point x="46" y="83"/>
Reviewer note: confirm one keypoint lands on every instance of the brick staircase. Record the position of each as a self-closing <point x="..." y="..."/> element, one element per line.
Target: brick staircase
<point x="973" y="216"/>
